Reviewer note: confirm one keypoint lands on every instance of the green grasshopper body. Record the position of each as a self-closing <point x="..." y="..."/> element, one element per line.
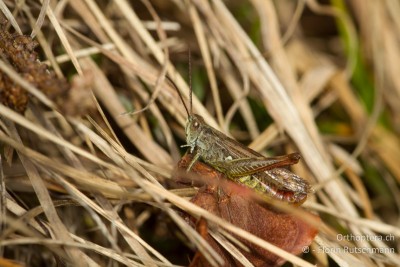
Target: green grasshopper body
<point x="266" y="175"/>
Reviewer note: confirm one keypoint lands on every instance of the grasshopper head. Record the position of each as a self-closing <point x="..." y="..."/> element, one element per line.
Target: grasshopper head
<point x="193" y="129"/>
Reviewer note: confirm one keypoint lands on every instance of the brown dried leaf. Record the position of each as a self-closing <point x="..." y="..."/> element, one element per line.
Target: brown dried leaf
<point x="236" y="205"/>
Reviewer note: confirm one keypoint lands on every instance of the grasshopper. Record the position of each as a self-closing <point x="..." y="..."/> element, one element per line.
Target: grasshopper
<point x="265" y="175"/>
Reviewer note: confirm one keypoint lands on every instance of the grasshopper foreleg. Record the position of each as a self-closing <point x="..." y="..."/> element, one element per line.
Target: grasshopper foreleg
<point x="195" y="158"/>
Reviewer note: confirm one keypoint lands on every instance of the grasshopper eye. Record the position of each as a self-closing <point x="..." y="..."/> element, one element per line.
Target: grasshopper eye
<point x="196" y="124"/>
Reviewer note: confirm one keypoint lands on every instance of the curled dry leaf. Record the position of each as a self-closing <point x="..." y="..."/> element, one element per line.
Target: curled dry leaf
<point x="237" y="205"/>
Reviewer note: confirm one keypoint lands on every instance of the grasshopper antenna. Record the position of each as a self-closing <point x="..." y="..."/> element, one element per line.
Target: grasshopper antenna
<point x="190" y="83"/>
<point x="179" y="93"/>
<point x="190" y="88"/>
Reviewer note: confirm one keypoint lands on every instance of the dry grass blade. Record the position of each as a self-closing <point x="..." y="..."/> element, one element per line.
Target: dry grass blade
<point x="58" y="228"/>
<point x="7" y="13"/>
<point x="3" y="201"/>
<point x="84" y="183"/>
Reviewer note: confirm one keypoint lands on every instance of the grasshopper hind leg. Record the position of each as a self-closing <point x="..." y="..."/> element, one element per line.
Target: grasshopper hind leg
<point x="274" y="190"/>
<point x="249" y="181"/>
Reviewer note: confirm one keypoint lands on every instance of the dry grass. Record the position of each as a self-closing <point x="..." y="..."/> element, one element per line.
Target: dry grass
<point x="87" y="184"/>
